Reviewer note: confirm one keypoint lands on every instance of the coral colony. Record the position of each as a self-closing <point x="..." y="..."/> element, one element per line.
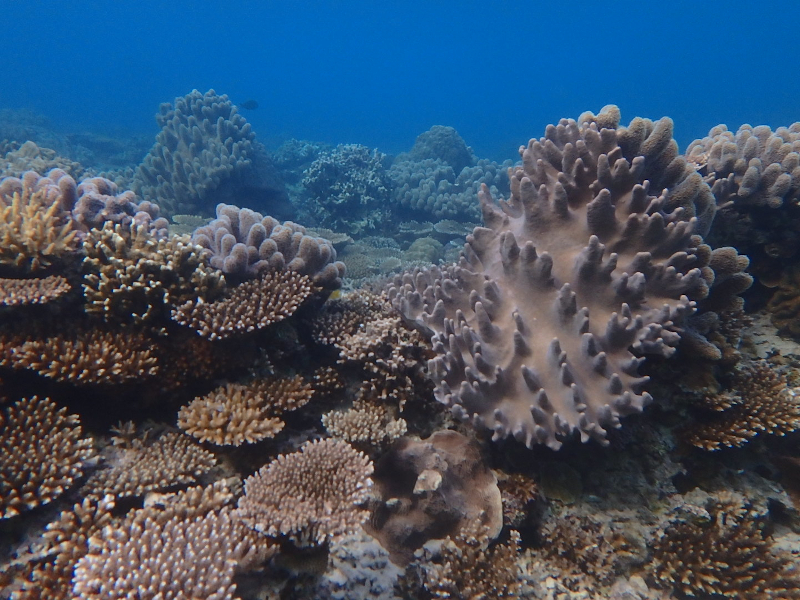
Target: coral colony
<point x="326" y="372"/>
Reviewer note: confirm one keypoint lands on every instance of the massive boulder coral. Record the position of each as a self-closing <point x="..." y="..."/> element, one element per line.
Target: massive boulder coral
<point x="592" y="257"/>
<point x="244" y="243"/>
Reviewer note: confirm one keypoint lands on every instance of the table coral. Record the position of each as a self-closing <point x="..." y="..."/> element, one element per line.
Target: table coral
<point x="42" y="452"/>
<point x="533" y="328"/>
<point x="14" y="292"/>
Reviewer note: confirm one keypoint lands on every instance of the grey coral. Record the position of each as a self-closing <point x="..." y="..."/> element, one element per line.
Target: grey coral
<point x="592" y="256"/>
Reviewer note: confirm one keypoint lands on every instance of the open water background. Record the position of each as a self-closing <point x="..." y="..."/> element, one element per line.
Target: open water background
<point x="380" y="73"/>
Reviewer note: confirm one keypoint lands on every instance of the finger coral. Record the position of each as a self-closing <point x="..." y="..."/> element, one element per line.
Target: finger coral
<point x="759" y="403"/>
<point x="533" y="329"/>
<point x="172" y="459"/>
<point x="722" y="552"/>
<point x="132" y="276"/>
<point x="15" y="292"/>
<point x="88" y="357"/>
<point x="311" y="495"/>
<point x="244" y="243"/>
<point x="36" y="228"/>
<point x="41" y="454"/>
<point x="234" y="414"/>
<point x="249" y="306"/>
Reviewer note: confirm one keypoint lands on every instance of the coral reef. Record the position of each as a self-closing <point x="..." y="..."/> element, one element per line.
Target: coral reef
<point x="245" y="244"/>
<point x="249" y="306"/>
<point x="722" y="551"/>
<point x="311" y="495"/>
<point x="43" y="453"/>
<point x="14" y="292"/>
<point x="533" y="327"/>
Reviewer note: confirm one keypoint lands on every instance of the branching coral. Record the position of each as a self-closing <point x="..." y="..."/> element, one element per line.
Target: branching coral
<point x="245" y="244"/>
<point x="36" y="228"/>
<point x="249" y="306"/>
<point x="41" y="454"/>
<point x="366" y="425"/>
<point x="312" y="495"/>
<point x="131" y="275"/>
<point x="722" y="552"/>
<point x="14" y="292"/>
<point x="533" y="329"/>
<point x="172" y="459"/>
<point x="759" y="403"/>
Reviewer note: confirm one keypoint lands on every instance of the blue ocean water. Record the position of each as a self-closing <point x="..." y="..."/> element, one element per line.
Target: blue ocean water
<point x="380" y="73"/>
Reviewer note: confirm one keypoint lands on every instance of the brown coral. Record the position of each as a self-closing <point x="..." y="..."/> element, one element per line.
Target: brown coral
<point x="14" y="292"/>
<point x="250" y="306"/>
<point x="311" y="495"/>
<point x="760" y="403"/>
<point x="229" y="416"/>
<point x="36" y="228"/>
<point x="41" y="454"/>
<point x="88" y="357"/>
<point x="134" y="276"/>
<point x="172" y="459"/>
<point x="366" y="425"/>
<point x="722" y="552"/>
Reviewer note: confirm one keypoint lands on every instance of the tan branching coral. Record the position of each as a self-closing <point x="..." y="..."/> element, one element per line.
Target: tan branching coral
<point x="252" y="305"/>
<point x="284" y="394"/>
<point x="722" y="551"/>
<point x="36" y="228"/>
<point x="311" y="495"/>
<point x="88" y="357"/>
<point x="466" y="567"/>
<point x="366" y="425"/>
<point x="66" y="542"/>
<point x="345" y="315"/>
<point x="183" y="552"/>
<point x="41" y="454"/>
<point x="172" y="459"/>
<point x="14" y="292"/>
<point x="760" y="403"/>
<point x="230" y="416"/>
<point x="134" y="276"/>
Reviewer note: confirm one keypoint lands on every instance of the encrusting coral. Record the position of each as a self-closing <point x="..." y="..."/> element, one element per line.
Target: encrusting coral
<point x="533" y="328"/>
<point x="760" y="402"/>
<point x="14" y="292"/>
<point x="133" y="276"/>
<point x="249" y="306"/>
<point x="312" y="495"/>
<point x="172" y="459"/>
<point x="722" y="551"/>
<point x="243" y="243"/>
<point x="42" y="453"/>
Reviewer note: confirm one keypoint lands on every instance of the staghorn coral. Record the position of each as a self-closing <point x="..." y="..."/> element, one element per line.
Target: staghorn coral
<point x="66" y="542"/>
<point x="366" y="425"/>
<point x="430" y="489"/>
<point x="36" y="228"/>
<point x="759" y="403"/>
<point x="722" y="551"/>
<point x="87" y="357"/>
<point x="233" y="414"/>
<point x="172" y="459"/>
<point x="311" y="495"/>
<point x="202" y="143"/>
<point x="466" y="567"/>
<point x="251" y="305"/>
<point x="245" y="244"/>
<point x="14" y="292"/>
<point x="190" y="548"/>
<point x="533" y="327"/>
<point x="41" y="454"/>
<point x="132" y="276"/>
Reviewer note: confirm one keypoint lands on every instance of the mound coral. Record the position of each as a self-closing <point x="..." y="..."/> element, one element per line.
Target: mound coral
<point x="534" y="328"/>
<point x="41" y="454"/>
<point x="311" y="495"/>
<point x="245" y="244"/>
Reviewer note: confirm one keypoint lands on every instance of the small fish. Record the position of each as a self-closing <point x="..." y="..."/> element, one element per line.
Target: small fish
<point x="249" y="104"/>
